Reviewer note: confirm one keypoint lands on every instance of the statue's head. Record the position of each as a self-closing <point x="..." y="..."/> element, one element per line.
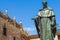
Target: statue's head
<point x="44" y="4"/>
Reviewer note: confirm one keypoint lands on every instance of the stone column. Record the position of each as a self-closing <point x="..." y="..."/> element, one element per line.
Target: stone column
<point x="6" y="13"/>
<point x="14" y="21"/>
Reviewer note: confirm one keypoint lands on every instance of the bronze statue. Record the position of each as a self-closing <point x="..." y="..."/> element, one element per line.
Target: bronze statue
<point x="45" y="23"/>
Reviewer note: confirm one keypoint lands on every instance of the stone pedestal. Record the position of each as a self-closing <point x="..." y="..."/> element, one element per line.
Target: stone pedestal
<point x="56" y="37"/>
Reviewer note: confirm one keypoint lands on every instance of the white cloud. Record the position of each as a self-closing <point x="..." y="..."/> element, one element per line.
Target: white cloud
<point x="30" y="28"/>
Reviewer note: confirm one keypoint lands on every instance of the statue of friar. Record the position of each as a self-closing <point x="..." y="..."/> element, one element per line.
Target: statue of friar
<point x="47" y="23"/>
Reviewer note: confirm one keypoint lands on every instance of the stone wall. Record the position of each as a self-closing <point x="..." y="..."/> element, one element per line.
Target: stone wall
<point x="13" y="31"/>
<point x="35" y="37"/>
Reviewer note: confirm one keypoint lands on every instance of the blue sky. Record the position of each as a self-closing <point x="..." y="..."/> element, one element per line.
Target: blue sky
<point x="25" y="10"/>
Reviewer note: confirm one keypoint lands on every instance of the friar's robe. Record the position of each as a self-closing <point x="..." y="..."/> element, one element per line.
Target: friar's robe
<point x="47" y="24"/>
